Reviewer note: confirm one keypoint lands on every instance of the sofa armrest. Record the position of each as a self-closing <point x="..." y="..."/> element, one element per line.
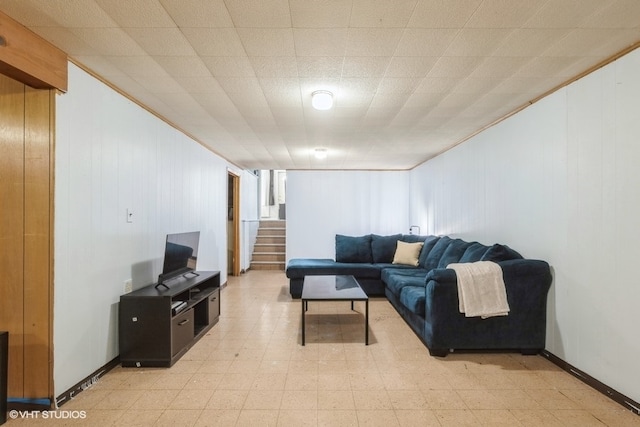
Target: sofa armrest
<point x="527" y="284"/>
<point x="442" y="275"/>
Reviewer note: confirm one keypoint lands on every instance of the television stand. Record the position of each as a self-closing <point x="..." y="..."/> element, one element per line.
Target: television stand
<point x="157" y="326"/>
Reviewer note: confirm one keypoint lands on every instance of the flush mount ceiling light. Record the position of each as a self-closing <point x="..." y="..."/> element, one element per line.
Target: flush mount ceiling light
<point x="322" y="99"/>
<point x="320" y="153"/>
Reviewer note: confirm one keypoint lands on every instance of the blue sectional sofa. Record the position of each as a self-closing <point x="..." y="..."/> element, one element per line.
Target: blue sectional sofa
<point x="425" y="292"/>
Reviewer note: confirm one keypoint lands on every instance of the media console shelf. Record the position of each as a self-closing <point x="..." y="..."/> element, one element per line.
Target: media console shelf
<point x="157" y="325"/>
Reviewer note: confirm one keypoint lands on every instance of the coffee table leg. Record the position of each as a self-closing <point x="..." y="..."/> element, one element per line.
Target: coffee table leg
<point x="303" y="307"/>
<point x="366" y="323"/>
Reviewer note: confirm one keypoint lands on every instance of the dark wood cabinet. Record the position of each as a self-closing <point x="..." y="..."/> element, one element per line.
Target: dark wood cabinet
<point x="154" y="332"/>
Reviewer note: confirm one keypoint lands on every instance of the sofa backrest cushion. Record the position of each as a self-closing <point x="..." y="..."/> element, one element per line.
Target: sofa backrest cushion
<point x="429" y="243"/>
<point x="453" y="253"/>
<point x="434" y="255"/>
<point x="474" y="252"/>
<point x="498" y="252"/>
<point x="353" y="249"/>
<point x="412" y="238"/>
<point x="383" y="247"/>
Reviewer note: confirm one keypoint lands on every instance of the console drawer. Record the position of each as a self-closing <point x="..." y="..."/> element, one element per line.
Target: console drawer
<point x="182" y="331"/>
<point x="214" y="305"/>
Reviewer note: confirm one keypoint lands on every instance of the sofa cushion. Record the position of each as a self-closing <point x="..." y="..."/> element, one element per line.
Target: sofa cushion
<point x="453" y="253"/>
<point x="383" y="247"/>
<point x="353" y="249"/>
<point x="297" y="268"/>
<point x="473" y="253"/>
<point x="390" y="270"/>
<point x="433" y="258"/>
<point x="429" y="243"/>
<point x="497" y="253"/>
<point x="397" y="282"/>
<point x="414" y="299"/>
<point x="407" y="253"/>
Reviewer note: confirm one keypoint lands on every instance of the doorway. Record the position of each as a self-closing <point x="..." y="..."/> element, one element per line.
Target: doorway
<point x="233" y="224"/>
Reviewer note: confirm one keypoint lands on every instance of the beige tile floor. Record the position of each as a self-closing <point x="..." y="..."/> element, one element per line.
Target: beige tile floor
<point x="250" y="370"/>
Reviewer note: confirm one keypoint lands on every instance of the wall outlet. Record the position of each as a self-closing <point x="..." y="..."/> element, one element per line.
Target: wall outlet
<point x="128" y="286"/>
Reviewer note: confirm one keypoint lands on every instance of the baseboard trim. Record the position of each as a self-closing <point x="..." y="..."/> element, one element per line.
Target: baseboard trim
<point x="86" y="382"/>
<point x="614" y="395"/>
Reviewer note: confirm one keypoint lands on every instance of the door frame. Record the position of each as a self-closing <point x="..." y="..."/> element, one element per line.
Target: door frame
<point x="234" y="212"/>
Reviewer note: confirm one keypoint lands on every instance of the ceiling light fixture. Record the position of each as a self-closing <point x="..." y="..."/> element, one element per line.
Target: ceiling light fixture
<point x="320" y="153"/>
<point x="322" y="100"/>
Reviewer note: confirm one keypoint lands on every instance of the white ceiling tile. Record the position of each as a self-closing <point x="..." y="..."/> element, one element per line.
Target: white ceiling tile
<point x="320" y="13"/>
<point x="372" y="41"/>
<point x="200" y="84"/>
<point x="183" y="66"/>
<point x="476" y="41"/>
<point x="443" y="13"/>
<point x="136" y="13"/>
<point x="529" y="41"/>
<point x="565" y="13"/>
<point x="365" y="66"/>
<point x="106" y="67"/>
<point x="138" y="66"/>
<point x="454" y="66"/>
<point x="503" y="13"/>
<point x="198" y="13"/>
<point x="475" y="85"/>
<point x="259" y="13"/>
<point x="215" y="41"/>
<point x="425" y="41"/>
<point x="545" y="66"/>
<point x="580" y="42"/>
<point x="441" y="84"/>
<point x="159" y="84"/>
<point x="320" y="41"/>
<point x="410" y="66"/>
<point x="381" y="13"/>
<point x="274" y="66"/>
<point x="498" y="67"/>
<point x="617" y="15"/>
<point x="267" y="41"/>
<point x="229" y="66"/>
<point x="161" y="41"/>
<point x="398" y="85"/>
<point x="109" y="41"/>
<point x="89" y="15"/>
<point x="320" y="67"/>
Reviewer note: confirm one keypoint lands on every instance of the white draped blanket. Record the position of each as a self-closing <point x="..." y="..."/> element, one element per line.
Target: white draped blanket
<point x="481" y="289"/>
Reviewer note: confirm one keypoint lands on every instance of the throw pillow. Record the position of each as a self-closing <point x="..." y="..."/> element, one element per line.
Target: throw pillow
<point x="407" y="253"/>
<point x="353" y="249"/>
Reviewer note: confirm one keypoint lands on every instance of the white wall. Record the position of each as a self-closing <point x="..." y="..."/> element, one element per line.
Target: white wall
<point x="249" y="213"/>
<point x="321" y="204"/>
<point x="112" y="155"/>
<point x="559" y="181"/>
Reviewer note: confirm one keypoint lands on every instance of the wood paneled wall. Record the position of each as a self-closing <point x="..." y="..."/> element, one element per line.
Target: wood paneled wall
<point x="26" y="212"/>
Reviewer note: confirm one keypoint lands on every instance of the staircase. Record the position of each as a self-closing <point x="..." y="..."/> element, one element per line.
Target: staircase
<point x="269" y="250"/>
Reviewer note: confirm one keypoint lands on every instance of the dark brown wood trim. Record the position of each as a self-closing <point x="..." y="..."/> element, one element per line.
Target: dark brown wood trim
<point x="614" y="395"/>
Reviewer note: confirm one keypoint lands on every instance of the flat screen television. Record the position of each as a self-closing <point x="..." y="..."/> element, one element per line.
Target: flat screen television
<point x="180" y="256"/>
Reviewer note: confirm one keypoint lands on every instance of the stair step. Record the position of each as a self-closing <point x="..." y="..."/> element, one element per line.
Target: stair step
<point x="269" y="252"/>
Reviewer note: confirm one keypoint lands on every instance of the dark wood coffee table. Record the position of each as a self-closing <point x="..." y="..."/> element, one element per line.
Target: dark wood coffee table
<point x="333" y="288"/>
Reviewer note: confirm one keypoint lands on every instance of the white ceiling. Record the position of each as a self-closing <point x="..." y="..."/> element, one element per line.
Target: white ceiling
<point x="410" y="78"/>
